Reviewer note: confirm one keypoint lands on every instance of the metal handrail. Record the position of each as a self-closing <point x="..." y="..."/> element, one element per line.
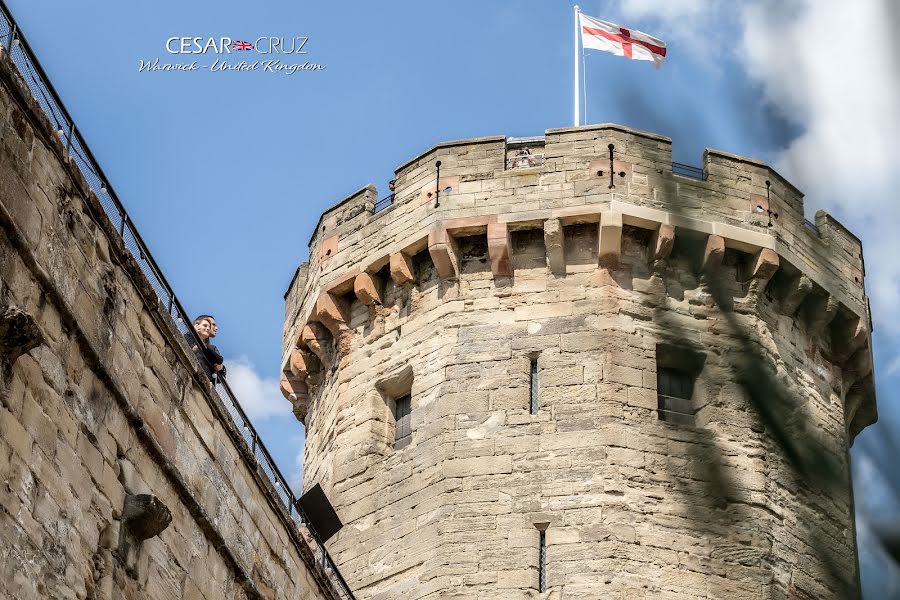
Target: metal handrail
<point x="37" y="81"/>
<point x="688" y="171"/>
<point x="382" y="204"/>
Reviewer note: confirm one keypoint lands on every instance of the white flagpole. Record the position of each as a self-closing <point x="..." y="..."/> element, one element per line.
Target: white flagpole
<point x="577" y="99"/>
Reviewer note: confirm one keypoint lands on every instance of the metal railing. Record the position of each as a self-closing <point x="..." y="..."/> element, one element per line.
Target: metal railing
<point x="811" y="226"/>
<point x="688" y="171"/>
<point x="383" y="204"/>
<point x="31" y="71"/>
<point x="671" y="415"/>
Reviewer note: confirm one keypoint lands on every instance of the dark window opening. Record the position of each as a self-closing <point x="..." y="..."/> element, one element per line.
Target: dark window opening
<point x="533" y="378"/>
<point x="674" y="390"/>
<point x="677" y="369"/>
<point x="402" y="421"/>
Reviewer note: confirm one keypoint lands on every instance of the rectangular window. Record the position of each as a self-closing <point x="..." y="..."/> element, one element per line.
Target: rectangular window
<point x="402" y="421"/>
<point x="542" y="562"/>
<point x="533" y="378"/>
<point x="674" y="388"/>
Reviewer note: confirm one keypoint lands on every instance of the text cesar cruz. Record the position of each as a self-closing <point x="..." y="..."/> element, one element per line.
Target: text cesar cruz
<point x="267" y="66"/>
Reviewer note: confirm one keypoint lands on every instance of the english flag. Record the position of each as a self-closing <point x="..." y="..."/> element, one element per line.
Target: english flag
<point x="609" y="37"/>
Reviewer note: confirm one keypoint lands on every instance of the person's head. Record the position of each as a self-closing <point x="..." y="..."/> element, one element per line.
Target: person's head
<point x="392" y="184"/>
<point x="201" y="326"/>
<point x="213" y="328"/>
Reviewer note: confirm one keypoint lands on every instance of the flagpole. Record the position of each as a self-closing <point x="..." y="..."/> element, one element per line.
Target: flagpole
<point x="577" y="104"/>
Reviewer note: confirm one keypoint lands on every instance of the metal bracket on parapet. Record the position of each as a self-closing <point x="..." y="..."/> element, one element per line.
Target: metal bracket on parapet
<point x="612" y="168"/>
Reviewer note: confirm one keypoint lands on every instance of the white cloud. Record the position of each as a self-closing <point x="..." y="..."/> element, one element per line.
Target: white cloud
<point x="260" y="397"/>
<point x="831" y="66"/>
<point x="697" y="27"/>
<point x="296" y="476"/>
<point x="894" y="367"/>
<point x="667" y="9"/>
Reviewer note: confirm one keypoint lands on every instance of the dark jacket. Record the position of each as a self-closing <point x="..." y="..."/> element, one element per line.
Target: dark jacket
<point x="207" y="355"/>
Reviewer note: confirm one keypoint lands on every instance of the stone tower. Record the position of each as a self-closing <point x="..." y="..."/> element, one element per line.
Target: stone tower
<point x="562" y="368"/>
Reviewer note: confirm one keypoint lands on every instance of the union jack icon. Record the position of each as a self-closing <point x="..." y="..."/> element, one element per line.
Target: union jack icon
<point x="242" y="46"/>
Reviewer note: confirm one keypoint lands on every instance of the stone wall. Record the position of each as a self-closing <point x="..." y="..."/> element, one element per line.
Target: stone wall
<point x="596" y="286"/>
<point x="121" y="474"/>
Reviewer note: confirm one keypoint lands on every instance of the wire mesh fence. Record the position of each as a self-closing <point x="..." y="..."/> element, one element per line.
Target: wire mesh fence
<point x="33" y="74"/>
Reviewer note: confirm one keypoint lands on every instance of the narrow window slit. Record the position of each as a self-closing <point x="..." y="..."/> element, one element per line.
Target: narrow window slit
<point x="402" y="417"/>
<point x="533" y="379"/>
<point x="542" y="561"/>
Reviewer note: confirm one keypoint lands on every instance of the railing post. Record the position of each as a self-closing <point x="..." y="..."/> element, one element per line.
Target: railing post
<point x="12" y="36"/>
<point x="69" y="139"/>
<point x="123" y="218"/>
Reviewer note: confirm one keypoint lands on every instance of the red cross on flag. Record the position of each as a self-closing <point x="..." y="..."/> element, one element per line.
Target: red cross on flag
<point x="609" y="37"/>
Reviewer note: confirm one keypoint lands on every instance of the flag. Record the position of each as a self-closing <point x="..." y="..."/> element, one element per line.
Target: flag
<point x="609" y="37"/>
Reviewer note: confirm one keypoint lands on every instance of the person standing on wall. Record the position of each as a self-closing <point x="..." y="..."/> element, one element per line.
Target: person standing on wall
<point x="209" y="356"/>
<point x="212" y="352"/>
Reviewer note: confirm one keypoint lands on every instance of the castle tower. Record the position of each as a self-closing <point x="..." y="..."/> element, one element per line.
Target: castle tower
<point x="566" y="368"/>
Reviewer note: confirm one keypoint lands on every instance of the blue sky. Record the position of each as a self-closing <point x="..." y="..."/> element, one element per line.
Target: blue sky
<point x="225" y="174"/>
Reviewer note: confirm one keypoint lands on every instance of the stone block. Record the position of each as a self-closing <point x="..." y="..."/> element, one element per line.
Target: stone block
<point x="499" y="249"/>
<point x="554" y="241"/>
<point x="300" y="364"/>
<point x="485" y="465"/>
<point x="402" y="271"/>
<point x="795" y="292"/>
<point x="764" y="265"/>
<point x="368" y="288"/>
<point x="713" y="254"/>
<point x="333" y="312"/>
<point x="554" y="376"/>
<point x="444" y="253"/>
<point x="610" y="236"/>
<point x="317" y="338"/>
<point x="15" y="435"/>
<point x="624" y="375"/>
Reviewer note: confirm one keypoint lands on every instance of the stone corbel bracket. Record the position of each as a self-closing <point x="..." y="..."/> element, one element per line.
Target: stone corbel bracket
<point x="807" y="296"/>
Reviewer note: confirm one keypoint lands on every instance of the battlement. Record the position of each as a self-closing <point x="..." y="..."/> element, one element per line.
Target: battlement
<point x="479" y="178"/>
<point x="494" y="186"/>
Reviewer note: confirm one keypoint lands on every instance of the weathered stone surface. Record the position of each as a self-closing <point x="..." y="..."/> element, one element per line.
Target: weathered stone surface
<point x="123" y="474"/>
<point x="765" y="263"/>
<point x="19" y="333"/>
<point x="368" y="287"/>
<point x="849" y="338"/>
<point x="555" y="244"/>
<point x="444" y="253"/>
<point x="317" y="338"/>
<point x="797" y="290"/>
<point x="402" y="269"/>
<point x="820" y="312"/>
<point x="333" y="312"/>
<point x="534" y="400"/>
<point x="300" y="364"/>
<point x="713" y="254"/>
<point x="610" y="236"/>
<point x="145" y="515"/>
<point x="499" y="249"/>
<point x="662" y="242"/>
